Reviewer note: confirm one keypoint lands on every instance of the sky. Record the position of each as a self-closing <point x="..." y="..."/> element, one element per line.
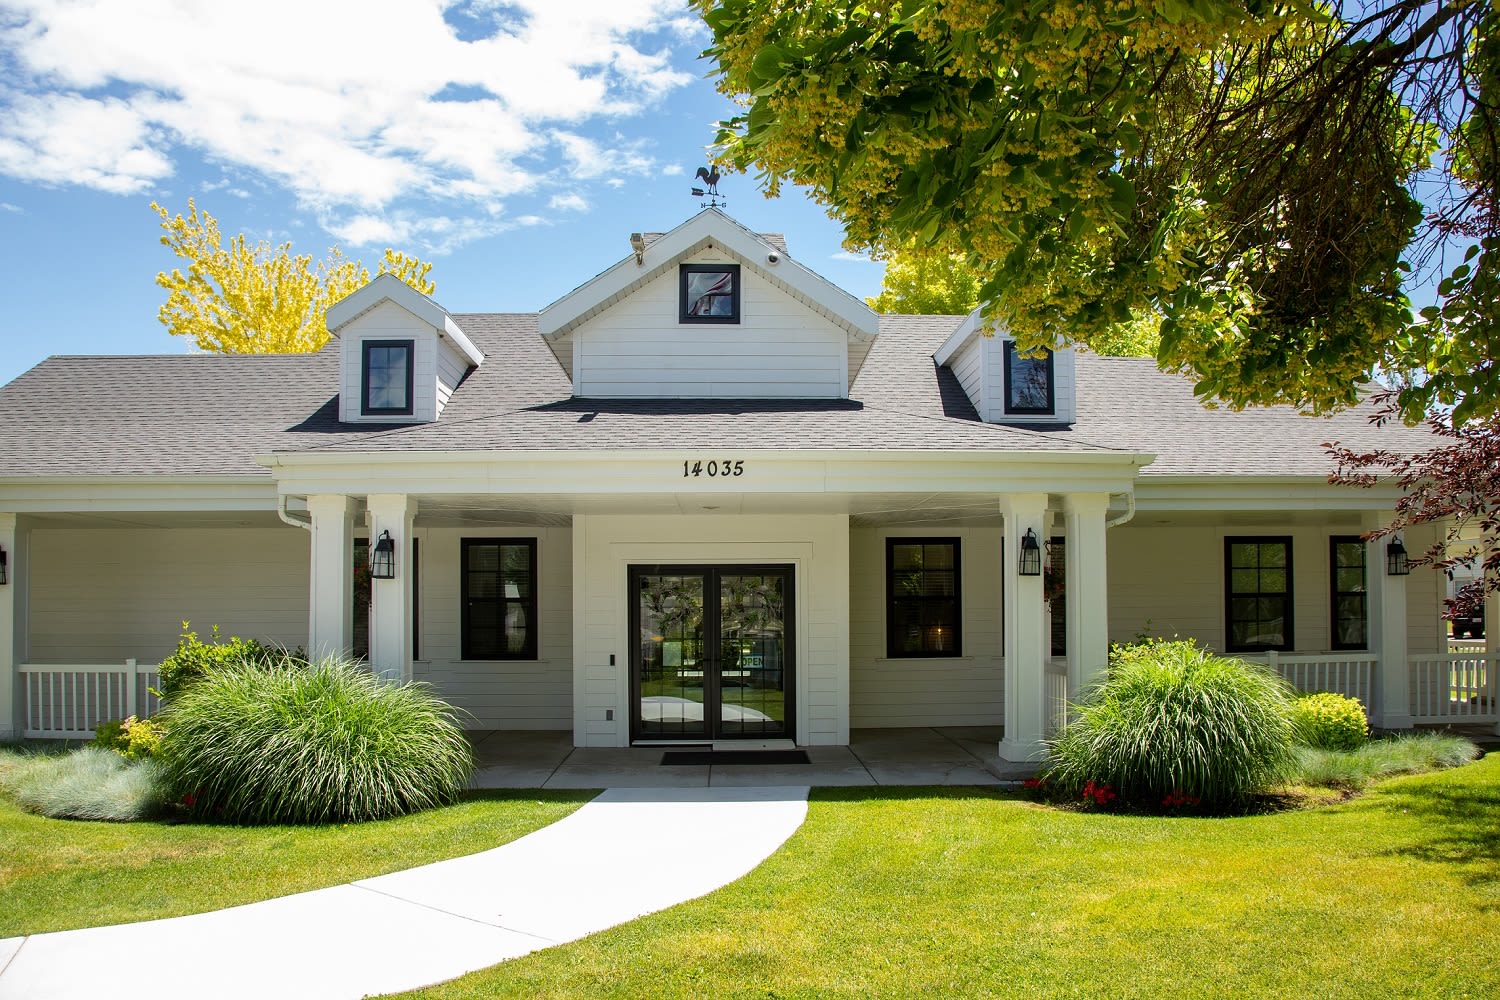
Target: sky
<point x="514" y="143"/>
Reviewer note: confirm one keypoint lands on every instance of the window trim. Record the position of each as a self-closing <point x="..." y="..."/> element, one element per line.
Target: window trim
<point x="1011" y="357"/>
<point x="1289" y="642"/>
<point x="1334" y="593"/>
<point x="683" y="270"/>
<point x="466" y="645"/>
<point x="891" y="652"/>
<point x="365" y="409"/>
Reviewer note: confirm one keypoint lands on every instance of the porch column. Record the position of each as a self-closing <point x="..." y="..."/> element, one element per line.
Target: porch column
<point x="1492" y="644"/>
<point x="390" y="600"/>
<point x="1086" y="595"/>
<point x="12" y="625"/>
<point x="1387" y="635"/>
<point x="1026" y="644"/>
<point x="330" y="618"/>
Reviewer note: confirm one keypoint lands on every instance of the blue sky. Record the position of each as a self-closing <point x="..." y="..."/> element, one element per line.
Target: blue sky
<point x="514" y="144"/>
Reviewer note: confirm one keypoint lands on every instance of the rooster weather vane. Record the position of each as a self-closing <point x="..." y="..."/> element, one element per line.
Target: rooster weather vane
<point x="710" y="178"/>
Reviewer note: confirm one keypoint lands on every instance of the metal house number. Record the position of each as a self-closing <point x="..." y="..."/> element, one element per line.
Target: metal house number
<point x="713" y="468"/>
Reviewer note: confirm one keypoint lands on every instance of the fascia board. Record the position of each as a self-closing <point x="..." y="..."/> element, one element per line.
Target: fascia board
<point x="1258" y="493"/>
<point x="970" y="328"/>
<point x="389" y="288"/>
<point x="709" y="226"/>
<point x="137" y="493"/>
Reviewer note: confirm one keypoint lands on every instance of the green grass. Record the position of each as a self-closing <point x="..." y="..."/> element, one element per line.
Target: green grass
<point x="62" y="874"/>
<point x="900" y="893"/>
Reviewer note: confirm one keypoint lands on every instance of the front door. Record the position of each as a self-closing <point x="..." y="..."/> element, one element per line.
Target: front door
<point x="712" y="659"/>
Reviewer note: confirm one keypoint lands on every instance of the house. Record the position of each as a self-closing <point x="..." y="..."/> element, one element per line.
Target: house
<point x="704" y="496"/>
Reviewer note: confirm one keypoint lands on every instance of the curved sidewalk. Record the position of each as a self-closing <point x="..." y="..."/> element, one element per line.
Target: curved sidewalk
<point x="600" y="866"/>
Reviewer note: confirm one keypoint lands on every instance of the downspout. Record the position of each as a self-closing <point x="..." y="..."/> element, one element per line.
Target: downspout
<point x="286" y="515"/>
<point x="1127" y="515"/>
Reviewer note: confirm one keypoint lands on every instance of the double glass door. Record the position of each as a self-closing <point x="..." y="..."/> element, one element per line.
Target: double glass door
<point x="712" y="658"/>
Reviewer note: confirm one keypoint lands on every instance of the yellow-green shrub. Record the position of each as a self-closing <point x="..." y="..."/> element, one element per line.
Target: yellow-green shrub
<point x="1329" y="721"/>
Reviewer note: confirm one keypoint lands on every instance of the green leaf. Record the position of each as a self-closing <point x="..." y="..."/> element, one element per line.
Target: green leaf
<point x="768" y="62"/>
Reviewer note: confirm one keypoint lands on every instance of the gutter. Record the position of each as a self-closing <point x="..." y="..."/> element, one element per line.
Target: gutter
<point x="1112" y="522"/>
<point x="286" y="515"/>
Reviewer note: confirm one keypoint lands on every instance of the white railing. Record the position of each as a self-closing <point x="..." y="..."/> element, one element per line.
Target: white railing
<point x="1349" y="674"/>
<point x="1454" y="687"/>
<point x="1055" y="679"/>
<point x="66" y="701"/>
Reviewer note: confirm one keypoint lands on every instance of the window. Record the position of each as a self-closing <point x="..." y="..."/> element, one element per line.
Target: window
<point x="922" y="597"/>
<point x="1258" y="588"/>
<point x="1028" y="382"/>
<point x="710" y="293"/>
<point x="499" y="599"/>
<point x="1346" y="569"/>
<point x="386" y="375"/>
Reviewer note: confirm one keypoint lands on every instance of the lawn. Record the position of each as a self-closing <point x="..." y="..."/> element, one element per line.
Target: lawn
<point x="897" y="892"/>
<point x="62" y="874"/>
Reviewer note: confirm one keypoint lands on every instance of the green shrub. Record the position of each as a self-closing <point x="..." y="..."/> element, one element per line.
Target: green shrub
<point x="1329" y="721"/>
<point x="310" y="743"/>
<point x="193" y="658"/>
<point x="1414" y="753"/>
<point x="132" y="738"/>
<point x="90" y="783"/>
<point x="1175" y="724"/>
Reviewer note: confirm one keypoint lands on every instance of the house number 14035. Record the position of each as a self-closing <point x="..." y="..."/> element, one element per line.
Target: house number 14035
<point x="713" y="467"/>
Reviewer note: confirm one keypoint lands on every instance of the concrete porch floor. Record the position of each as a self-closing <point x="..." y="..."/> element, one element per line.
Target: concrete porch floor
<point x="958" y="755"/>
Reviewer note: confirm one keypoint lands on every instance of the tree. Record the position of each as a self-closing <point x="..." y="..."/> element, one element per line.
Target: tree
<point x="253" y="299"/>
<point x="927" y="283"/>
<point x="1245" y="171"/>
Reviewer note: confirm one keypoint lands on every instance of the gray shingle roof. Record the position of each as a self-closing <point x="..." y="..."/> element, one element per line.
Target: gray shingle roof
<point x="211" y="415"/>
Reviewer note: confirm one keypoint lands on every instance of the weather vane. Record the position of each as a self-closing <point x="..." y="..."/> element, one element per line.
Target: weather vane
<point x="710" y="178"/>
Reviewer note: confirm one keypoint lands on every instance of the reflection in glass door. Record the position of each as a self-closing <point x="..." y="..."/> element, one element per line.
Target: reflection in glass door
<point x="713" y="654"/>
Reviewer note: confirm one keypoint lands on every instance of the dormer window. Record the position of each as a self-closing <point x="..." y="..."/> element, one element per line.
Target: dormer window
<point x="386" y="376"/>
<point x="710" y="293"/>
<point x="1028" y="382"/>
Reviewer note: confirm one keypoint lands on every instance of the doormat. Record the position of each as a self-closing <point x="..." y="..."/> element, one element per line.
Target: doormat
<point x="735" y="757"/>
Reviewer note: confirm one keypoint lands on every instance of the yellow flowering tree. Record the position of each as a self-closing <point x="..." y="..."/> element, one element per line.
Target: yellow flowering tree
<point x="255" y="299"/>
<point x="923" y="282"/>
<point x="1238" y="172"/>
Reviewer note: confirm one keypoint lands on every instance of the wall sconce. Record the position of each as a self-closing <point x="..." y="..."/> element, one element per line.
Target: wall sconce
<point x="1396" y="561"/>
<point x="3" y="577"/>
<point x="1031" y="555"/>
<point x="383" y="558"/>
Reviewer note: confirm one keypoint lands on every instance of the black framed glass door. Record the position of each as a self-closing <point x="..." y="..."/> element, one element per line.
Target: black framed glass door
<point x="712" y="658"/>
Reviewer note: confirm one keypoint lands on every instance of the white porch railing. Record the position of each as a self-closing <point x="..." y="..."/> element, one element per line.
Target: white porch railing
<point x="1055" y="679"/>
<point x="1348" y="674"/>
<point x="1454" y="687"/>
<point x="66" y="701"/>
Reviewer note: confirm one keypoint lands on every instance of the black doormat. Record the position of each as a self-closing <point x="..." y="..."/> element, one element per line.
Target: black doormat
<point x="735" y="757"/>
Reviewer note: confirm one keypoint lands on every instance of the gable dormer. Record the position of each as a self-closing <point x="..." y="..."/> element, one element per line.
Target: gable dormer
<point x="400" y="354"/>
<point x="1004" y="386"/>
<point x="709" y="310"/>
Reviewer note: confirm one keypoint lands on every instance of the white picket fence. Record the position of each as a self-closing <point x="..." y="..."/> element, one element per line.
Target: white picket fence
<point x="1349" y="674"/>
<point x="66" y="701"/>
<point x="1055" y="679"/>
<point x="1454" y="687"/>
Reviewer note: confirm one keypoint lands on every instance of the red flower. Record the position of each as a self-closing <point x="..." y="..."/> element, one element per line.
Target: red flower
<point x="1033" y="783"/>
<point x="188" y="800"/>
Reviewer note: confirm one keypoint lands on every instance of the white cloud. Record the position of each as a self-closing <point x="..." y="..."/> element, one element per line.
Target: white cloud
<point x="568" y="202"/>
<point x="6" y="206"/>
<point x="338" y="100"/>
<point x="857" y="258"/>
<point x="672" y="170"/>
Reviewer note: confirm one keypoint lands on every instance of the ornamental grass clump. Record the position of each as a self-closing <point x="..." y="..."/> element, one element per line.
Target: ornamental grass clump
<point x="1175" y="723"/>
<point x="325" y="742"/>
<point x="90" y="783"/>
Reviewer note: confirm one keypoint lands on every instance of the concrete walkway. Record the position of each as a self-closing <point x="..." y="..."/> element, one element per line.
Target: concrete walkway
<point x="600" y="866"/>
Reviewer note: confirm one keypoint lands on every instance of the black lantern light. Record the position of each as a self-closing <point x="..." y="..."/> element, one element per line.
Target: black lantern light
<point x="383" y="558"/>
<point x="1396" y="561"/>
<point x="1031" y="555"/>
<point x="3" y="578"/>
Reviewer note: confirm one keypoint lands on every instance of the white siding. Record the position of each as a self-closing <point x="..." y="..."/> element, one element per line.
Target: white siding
<point x="105" y="595"/>
<point x="498" y="694"/>
<point x="389" y="321"/>
<point x="780" y="349"/>
<point x="968" y="366"/>
<point x="967" y="690"/>
<point x="606" y="546"/>
<point x="452" y="366"/>
<point x="980" y="368"/>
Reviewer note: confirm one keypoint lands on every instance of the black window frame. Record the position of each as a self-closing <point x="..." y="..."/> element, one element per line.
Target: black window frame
<point x="530" y="603"/>
<point x="891" y="599"/>
<point x="1011" y="357"/>
<point x="365" y="408"/>
<point x="1335" y="594"/>
<point x="684" y="270"/>
<point x="1287" y="597"/>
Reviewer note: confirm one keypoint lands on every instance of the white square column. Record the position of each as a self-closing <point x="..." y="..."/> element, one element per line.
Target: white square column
<point x="1492" y="643"/>
<point x="331" y="578"/>
<point x="1387" y="634"/>
<point x="13" y="540"/>
<point x="1027" y="644"/>
<point x="390" y="600"/>
<point x="1087" y="593"/>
